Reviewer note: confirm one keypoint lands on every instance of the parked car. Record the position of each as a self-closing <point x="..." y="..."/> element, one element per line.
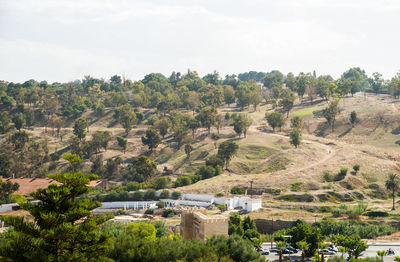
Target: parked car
<point x="287" y="251"/>
<point x="327" y="252"/>
<point x="289" y="247"/>
<point x="264" y="251"/>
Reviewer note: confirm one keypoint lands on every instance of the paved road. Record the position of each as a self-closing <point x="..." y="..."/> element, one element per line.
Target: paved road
<point x="370" y="252"/>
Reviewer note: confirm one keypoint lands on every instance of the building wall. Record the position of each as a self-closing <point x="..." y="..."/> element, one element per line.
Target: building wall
<point x="195" y="224"/>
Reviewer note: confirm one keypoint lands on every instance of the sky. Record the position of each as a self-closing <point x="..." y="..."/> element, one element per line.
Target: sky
<point x="63" y="40"/>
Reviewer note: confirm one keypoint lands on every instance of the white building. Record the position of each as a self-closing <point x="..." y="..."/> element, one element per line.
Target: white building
<point x="129" y="205"/>
<point x="198" y="200"/>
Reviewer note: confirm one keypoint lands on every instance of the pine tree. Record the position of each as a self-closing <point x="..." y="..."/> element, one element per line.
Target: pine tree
<point x="63" y="228"/>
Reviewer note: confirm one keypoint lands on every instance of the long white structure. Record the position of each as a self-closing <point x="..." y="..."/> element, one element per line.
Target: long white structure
<point x="129" y="205"/>
<point x="198" y="200"/>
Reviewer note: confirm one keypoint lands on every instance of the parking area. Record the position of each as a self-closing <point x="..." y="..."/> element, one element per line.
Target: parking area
<point x="370" y="252"/>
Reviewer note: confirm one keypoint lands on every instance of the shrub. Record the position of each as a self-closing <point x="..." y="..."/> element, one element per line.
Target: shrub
<point x="356" y="168"/>
<point x="132" y="186"/>
<point x="182" y="181"/>
<point x="150" y="194"/>
<point x="149" y="211"/>
<point x="169" y="212"/>
<point x="341" y="175"/>
<point x="138" y="195"/>
<point x="237" y="190"/>
<point x="296" y="187"/>
<point x="160" y="204"/>
<point x="222" y="207"/>
<point x="176" y="195"/>
<point x="55" y="156"/>
<point x="164" y="194"/>
<point x="221" y="194"/>
<point x="377" y="214"/>
<point x="160" y="183"/>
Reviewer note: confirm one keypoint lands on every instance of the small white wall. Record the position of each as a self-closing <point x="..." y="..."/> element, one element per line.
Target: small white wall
<point x="197" y="197"/>
<point x="129" y="204"/>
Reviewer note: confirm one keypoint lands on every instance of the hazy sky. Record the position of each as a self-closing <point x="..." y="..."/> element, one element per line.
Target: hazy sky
<point x="63" y="40"/>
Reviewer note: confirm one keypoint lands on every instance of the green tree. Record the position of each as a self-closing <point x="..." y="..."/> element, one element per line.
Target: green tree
<point x="303" y="246"/>
<point x="162" y="126"/>
<point x="297" y="122"/>
<point x="126" y="117"/>
<point x="4" y="121"/>
<point x="122" y="142"/>
<point x="80" y="127"/>
<point x="280" y="245"/>
<point x="273" y="79"/>
<point x="381" y="254"/>
<point x="295" y="137"/>
<point x="207" y="118"/>
<point x="275" y="119"/>
<point x="188" y="150"/>
<point x="353" y="118"/>
<point x="376" y="82"/>
<point x="331" y="112"/>
<point x="6" y="190"/>
<point x="229" y="95"/>
<point x="227" y="150"/>
<point x="141" y="169"/>
<point x="19" y="139"/>
<point x="392" y="183"/>
<point x="55" y="234"/>
<point x="151" y="139"/>
<point x="287" y="101"/>
<point x="241" y="124"/>
<point x="353" y="243"/>
<point x="19" y="121"/>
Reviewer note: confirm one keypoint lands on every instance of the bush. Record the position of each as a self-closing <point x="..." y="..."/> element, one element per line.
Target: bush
<point x="330" y="226"/>
<point x="164" y="194"/>
<point x="149" y="211"/>
<point x="221" y="194"/>
<point x="377" y="214"/>
<point x="160" y="204"/>
<point x="182" y="181"/>
<point x="132" y="186"/>
<point x="341" y="175"/>
<point x="169" y="212"/>
<point x="55" y="156"/>
<point x="237" y="190"/>
<point x="160" y="183"/>
<point x="150" y="195"/>
<point x="176" y="195"/>
<point x="296" y="187"/>
<point x="138" y="196"/>
<point x="222" y="207"/>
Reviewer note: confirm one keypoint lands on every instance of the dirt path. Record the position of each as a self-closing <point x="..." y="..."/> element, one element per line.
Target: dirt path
<point x="330" y="150"/>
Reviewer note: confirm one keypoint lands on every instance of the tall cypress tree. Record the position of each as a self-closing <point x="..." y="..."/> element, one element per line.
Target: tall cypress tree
<point x="63" y="227"/>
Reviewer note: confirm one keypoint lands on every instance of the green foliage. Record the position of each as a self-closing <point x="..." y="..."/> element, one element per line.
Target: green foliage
<point x="241" y="122"/>
<point x="152" y="139"/>
<point x="236" y="190"/>
<point x="176" y="195"/>
<point x="141" y="169"/>
<point x="55" y="235"/>
<point x="353" y="243"/>
<point x="275" y="120"/>
<point x="169" y="212"/>
<point x="353" y="118"/>
<point x="4" y="121"/>
<point x="122" y="142"/>
<point x="331" y="112"/>
<point x="297" y="122"/>
<point x="295" y="137"/>
<point x="6" y="190"/>
<point x="377" y="214"/>
<point x="206" y="172"/>
<point x="227" y="150"/>
<point x="126" y="117"/>
<point x="160" y="183"/>
<point x="331" y="227"/>
<point x="295" y="187"/>
<point x="80" y="127"/>
<point x="303" y="232"/>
